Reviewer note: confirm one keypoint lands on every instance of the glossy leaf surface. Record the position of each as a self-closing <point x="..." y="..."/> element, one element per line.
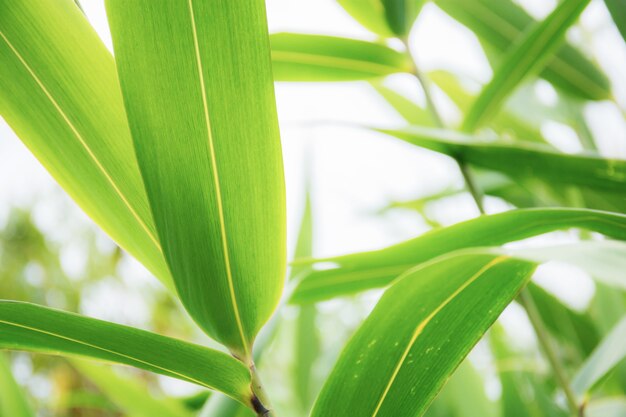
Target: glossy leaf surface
<point x="197" y="85"/>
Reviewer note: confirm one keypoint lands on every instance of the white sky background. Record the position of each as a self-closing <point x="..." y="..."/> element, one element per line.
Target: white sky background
<point x="355" y="173"/>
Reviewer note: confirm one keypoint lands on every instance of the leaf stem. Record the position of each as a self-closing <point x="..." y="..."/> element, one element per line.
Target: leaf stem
<point x="438" y="120"/>
<point x="544" y="340"/>
<point x="260" y="401"/>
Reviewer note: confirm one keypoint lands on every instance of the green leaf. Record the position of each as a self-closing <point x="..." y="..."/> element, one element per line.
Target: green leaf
<point x="386" y="18"/>
<point x="300" y="57"/>
<point x="609" y="353"/>
<point x="608" y="407"/>
<point x="131" y="396"/>
<point x="617" y="8"/>
<point x="60" y="94"/>
<point x="13" y="402"/>
<point x="418" y="333"/>
<point x="374" y="269"/>
<point x="411" y="112"/>
<point x="521" y="160"/>
<point x="524" y="59"/>
<point x="222" y="406"/>
<point x="25" y="326"/>
<point x="197" y="84"/>
<point x="502" y="22"/>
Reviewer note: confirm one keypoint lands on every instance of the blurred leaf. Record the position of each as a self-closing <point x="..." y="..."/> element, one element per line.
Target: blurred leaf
<point x="13" y="402"/>
<point x="223" y="406"/>
<point x="525" y="58"/>
<point x="406" y="108"/>
<point x="607" y="407"/>
<point x="609" y="353"/>
<point x="502" y="23"/>
<point x="131" y="396"/>
<point x="25" y="326"/>
<point x="418" y="333"/>
<point x="300" y="57"/>
<point x="374" y="269"/>
<point x="522" y="160"/>
<point x="196" y="401"/>
<point x="386" y="18"/>
<point x="617" y="8"/>
<point x="60" y="94"/>
<point x="197" y="84"/>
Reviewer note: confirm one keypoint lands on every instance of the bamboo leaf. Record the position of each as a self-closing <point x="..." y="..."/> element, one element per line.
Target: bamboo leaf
<point x="418" y="333"/>
<point x="609" y="407"/>
<point x="300" y="57"/>
<point x="13" y="402"/>
<point x="25" y="326"/>
<point x="386" y="18"/>
<point x="524" y="59"/>
<point x="131" y="396"/>
<point x="501" y="23"/>
<point x="197" y="85"/>
<point x="60" y="94"/>
<point x="375" y="269"/>
<point x="411" y="112"/>
<point x="617" y="8"/>
<point x="609" y="353"/>
<point x="522" y="160"/>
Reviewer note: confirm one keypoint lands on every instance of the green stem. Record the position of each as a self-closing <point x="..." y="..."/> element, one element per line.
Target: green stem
<point x="436" y="115"/>
<point x="545" y="342"/>
<point x="260" y="402"/>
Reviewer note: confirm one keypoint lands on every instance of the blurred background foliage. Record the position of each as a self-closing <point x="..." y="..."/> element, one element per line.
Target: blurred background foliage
<point x="359" y="192"/>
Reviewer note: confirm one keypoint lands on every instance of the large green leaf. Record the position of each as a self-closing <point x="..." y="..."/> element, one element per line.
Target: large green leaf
<point x="374" y="269"/>
<point x="501" y="23"/>
<point x="60" y="94"/>
<point x="522" y="160"/>
<point x="197" y="85"/>
<point x="419" y="332"/>
<point x="524" y="59"/>
<point x="609" y="353"/>
<point x="387" y="18"/>
<point x="131" y="396"/>
<point x="13" y="402"/>
<point x="299" y="57"/>
<point x="25" y="326"/>
<point x="617" y="8"/>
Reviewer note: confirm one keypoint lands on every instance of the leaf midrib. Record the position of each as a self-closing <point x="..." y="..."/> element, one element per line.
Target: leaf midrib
<point x="91" y="154"/>
<point x="332" y="62"/>
<point x="420" y="327"/>
<point x="216" y="180"/>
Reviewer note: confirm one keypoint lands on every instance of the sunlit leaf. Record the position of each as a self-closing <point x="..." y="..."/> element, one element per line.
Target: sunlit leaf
<point x="300" y="57"/>
<point x="25" y="326"/>
<point x="419" y="332"/>
<point x="60" y="94"/>
<point x="374" y="269"/>
<point x="384" y="17"/>
<point x="609" y="407"/>
<point x="525" y="58"/>
<point x="197" y="85"/>
<point x="501" y="23"/>
<point x="13" y="401"/>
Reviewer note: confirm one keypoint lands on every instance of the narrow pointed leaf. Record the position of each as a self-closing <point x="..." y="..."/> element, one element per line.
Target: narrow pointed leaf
<point x="501" y="23"/>
<point x="524" y="59"/>
<point x="375" y="269"/>
<point x="59" y="92"/>
<point x="604" y="358"/>
<point x="387" y="18"/>
<point x="419" y="332"/>
<point x="13" y="401"/>
<point x="25" y="326"/>
<point x="197" y="85"/>
<point x="522" y="160"/>
<point x="411" y="112"/>
<point x="133" y="397"/>
<point x="300" y="57"/>
<point x="617" y="8"/>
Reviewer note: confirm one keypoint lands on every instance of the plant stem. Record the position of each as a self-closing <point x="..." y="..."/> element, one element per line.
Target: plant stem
<point x="436" y="115"/>
<point x="544" y="340"/>
<point x="260" y="401"/>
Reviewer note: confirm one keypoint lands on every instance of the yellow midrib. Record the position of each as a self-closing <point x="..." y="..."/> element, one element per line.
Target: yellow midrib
<point x="218" y="191"/>
<point x="427" y="320"/>
<point x="91" y="154"/>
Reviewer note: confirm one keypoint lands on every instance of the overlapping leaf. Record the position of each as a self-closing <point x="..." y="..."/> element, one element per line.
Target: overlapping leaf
<point x="384" y="17"/>
<point x="419" y="332"/>
<point x="13" y="401"/>
<point x="197" y="85"/>
<point x="29" y="327"/>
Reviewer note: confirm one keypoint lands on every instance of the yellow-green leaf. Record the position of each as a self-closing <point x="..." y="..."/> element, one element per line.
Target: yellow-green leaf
<point x="197" y="85"/>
